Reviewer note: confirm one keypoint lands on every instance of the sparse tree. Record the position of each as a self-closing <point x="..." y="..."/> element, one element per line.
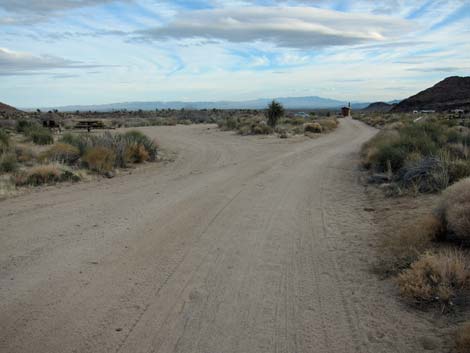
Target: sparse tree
<point x="274" y="113"/>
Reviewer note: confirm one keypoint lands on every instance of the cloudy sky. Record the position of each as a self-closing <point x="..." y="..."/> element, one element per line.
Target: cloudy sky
<point x="60" y="52"/>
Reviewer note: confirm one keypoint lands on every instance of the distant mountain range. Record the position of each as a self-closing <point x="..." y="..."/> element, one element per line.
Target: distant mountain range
<point x="451" y="93"/>
<point x="311" y="102"/>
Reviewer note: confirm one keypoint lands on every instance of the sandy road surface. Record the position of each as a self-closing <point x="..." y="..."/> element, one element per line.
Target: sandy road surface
<point x="241" y="245"/>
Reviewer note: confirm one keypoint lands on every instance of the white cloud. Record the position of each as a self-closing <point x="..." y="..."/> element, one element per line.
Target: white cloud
<point x="19" y="63"/>
<point x="44" y="6"/>
<point x="294" y="27"/>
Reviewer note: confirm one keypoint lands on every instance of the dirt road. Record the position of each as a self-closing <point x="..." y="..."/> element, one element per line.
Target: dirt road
<point x="243" y="244"/>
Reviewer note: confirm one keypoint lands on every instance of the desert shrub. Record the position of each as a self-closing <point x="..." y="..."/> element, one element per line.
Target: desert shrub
<point x="282" y="133"/>
<point x="24" y="154"/>
<point x="4" y="141"/>
<point x="132" y="146"/>
<point x="62" y="152"/>
<point x="428" y="174"/>
<point x="138" y="154"/>
<point x="82" y="142"/>
<point x="328" y="124"/>
<point x="229" y="123"/>
<point x="393" y="146"/>
<point x="462" y="339"/>
<point x="274" y="112"/>
<point x="261" y="129"/>
<point x="405" y="247"/>
<point x="313" y="127"/>
<point x="244" y="130"/>
<point x="100" y="159"/>
<point x="143" y="145"/>
<point x="454" y="209"/>
<point x="389" y="156"/>
<point x="184" y="122"/>
<point x="459" y="150"/>
<point x="24" y="125"/>
<point x="43" y="174"/>
<point x="40" y="135"/>
<point x="458" y="169"/>
<point x="370" y="149"/>
<point x="295" y="121"/>
<point x="8" y="162"/>
<point x="438" y="278"/>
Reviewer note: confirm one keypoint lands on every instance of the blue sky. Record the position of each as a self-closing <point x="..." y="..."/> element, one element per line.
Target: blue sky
<point x="61" y="52"/>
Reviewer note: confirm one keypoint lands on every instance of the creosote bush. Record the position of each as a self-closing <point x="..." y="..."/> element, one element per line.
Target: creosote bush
<point x="436" y="278"/>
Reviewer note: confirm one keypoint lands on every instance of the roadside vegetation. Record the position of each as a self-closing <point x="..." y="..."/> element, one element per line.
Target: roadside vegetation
<point x="428" y="257"/>
<point x="275" y="120"/>
<point x="30" y="155"/>
<point x="418" y="157"/>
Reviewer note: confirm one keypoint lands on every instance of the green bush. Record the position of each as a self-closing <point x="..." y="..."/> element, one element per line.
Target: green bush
<point x="81" y="141"/>
<point x="392" y="156"/>
<point x="24" y="125"/>
<point x="8" y="162"/>
<point x="274" y="112"/>
<point x="40" y="136"/>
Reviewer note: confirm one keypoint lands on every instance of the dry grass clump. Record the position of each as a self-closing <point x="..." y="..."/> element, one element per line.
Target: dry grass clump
<point x="315" y="128"/>
<point x="454" y="210"/>
<point x="328" y="124"/>
<point x="63" y="153"/>
<point x="44" y="174"/>
<point x="462" y="339"/>
<point x="138" y="154"/>
<point x="100" y="159"/>
<point x="402" y="249"/>
<point x="24" y="154"/>
<point x="436" y="278"/>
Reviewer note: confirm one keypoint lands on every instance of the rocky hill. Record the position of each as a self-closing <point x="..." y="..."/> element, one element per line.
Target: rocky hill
<point x="378" y="107"/>
<point x="5" y="108"/>
<point x="451" y="93"/>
